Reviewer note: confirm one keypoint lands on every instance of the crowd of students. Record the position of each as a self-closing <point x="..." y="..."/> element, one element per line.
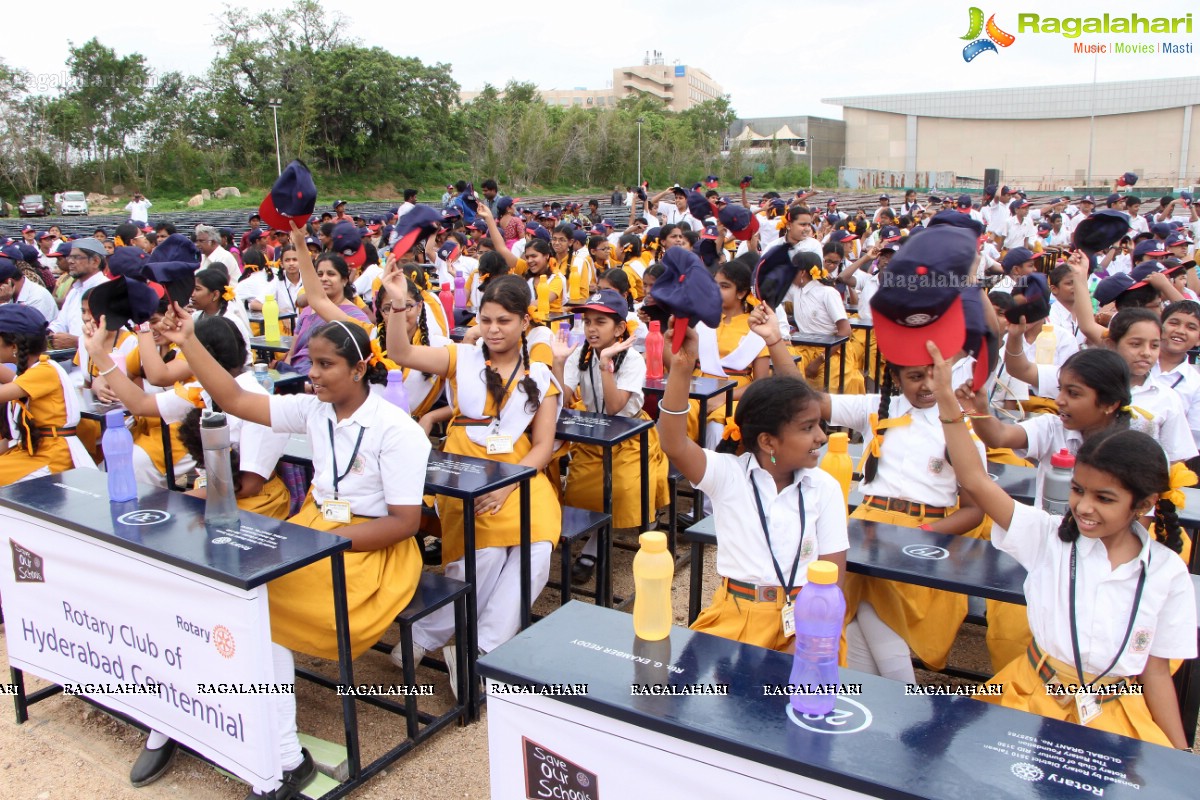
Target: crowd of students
<point x="1119" y="393"/>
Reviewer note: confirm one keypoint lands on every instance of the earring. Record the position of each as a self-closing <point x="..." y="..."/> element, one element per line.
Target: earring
<point x="772" y="458"/>
<point x="356" y="378"/>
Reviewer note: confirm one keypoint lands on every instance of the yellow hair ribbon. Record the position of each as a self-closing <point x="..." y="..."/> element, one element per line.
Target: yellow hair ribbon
<point x="193" y="394"/>
<point x="228" y="294"/>
<point x="118" y="242"/>
<point x="875" y="448"/>
<point x="376" y="285"/>
<point x="378" y="357"/>
<point x="1181" y="476"/>
<point x="532" y="311"/>
<point x="732" y="431"/>
<point x="781" y="224"/>
<point x="1137" y="411"/>
<point x="850" y="227"/>
<point x="818" y="273"/>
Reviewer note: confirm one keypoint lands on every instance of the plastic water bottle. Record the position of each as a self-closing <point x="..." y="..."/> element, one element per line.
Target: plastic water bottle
<point x="543" y="298"/>
<point x="577" y="335"/>
<point x="220" y="505"/>
<point x="395" y="393"/>
<point x="117" y="443"/>
<point x="654" y="351"/>
<point x="270" y="312"/>
<point x="446" y="295"/>
<point x="1044" y="345"/>
<point x="837" y="462"/>
<point x="653" y="571"/>
<point x="1056" y="487"/>
<point x="460" y="290"/>
<point x="263" y="376"/>
<point x="820" y="611"/>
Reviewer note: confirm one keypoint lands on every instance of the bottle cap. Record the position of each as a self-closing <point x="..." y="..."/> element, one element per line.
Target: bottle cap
<point x="839" y="443"/>
<point x="395" y="376"/>
<point x="654" y="326"/>
<point x="114" y="419"/>
<point x="1063" y="458"/>
<point x="1046" y="326"/>
<point x="212" y="419"/>
<point x="260" y="367"/>
<point x="653" y="541"/>
<point x="822" y="572"/>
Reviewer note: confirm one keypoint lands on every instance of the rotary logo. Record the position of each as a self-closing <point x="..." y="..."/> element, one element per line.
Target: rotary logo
<point x="994" y="37"/>
<point x="222" y="639"/>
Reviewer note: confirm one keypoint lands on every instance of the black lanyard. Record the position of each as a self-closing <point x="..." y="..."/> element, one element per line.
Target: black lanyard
<point x="593" y="377"/>
<point x="1137" y="599"/>
<point x="333" y="454"/>
<point x="1178" y="378"/>
<point x="762" y="518"/>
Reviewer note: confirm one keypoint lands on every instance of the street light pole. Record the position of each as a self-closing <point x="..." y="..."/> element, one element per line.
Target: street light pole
<point x="808" y="146"/>
<point x="274" y="104"/>
<point x="639" y="124"/>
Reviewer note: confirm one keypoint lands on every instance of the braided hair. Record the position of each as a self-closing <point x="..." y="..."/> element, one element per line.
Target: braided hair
<point x="586" y="351"/>
<point x="774" y="401"/>
<point x="255" y="260"/>
<point x="510" y="293"/>
<point x="215" y="280"/>
<point x="1139" y="464"/>
<point x="887" y="391"/>
<point x="414" y="293"/>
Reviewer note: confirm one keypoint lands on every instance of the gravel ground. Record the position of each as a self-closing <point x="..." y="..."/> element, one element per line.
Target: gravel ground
<point x="70" y="750"/>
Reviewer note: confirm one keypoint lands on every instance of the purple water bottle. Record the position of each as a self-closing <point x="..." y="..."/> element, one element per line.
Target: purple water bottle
<point x="117" y="443"/>
<point x="395" y="393"/>
<point x="576" y="336"/>
<point x="460" y="290"/>
<point x="820" y="612"/>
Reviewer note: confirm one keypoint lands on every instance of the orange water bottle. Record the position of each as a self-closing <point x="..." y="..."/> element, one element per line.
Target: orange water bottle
<point x="653" y="572"/>
<point x="837" y="462"/>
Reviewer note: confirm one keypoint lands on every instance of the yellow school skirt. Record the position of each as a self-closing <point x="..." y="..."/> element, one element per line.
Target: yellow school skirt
<point x="859" y="337"/>
<point x="379" y="584"/>
<point x="585" y="481"/>
<point x="273" y="501"/>
<point x="746" y="621"/>
<point x="855" y="384"/>
<point x="1025" y="690"/>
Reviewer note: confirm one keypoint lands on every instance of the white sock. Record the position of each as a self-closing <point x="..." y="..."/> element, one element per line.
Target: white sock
<point x="156" y="740"/>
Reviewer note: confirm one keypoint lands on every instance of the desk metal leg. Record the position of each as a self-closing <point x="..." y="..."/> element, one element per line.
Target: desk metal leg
<point x="696" y="582"/>
<point x="472" y="610"/>
<point x="168" y="455"/>
<point x="644" y="463"/>
<point x="841" y="371"/>
<point x="19" y="701"/>
<point x="604" y="562"/>
<point x="828" y="355"/>
<point x="526" y="548"/>
<point x="341" y="616"/>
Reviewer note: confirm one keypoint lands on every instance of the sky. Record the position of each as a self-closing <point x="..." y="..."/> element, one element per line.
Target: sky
<point x="777" y="59"/>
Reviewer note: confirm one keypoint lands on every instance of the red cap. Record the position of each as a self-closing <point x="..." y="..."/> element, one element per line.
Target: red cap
<point x="1063" y="458"/>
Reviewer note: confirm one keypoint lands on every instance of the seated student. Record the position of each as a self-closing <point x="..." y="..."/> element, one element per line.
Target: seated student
<point x="1017" y="263"/>
<point x="256" y="279"/>
<point x="628" y="254"/>
<point x="287" y="284"/>
<point x="500" y="415"/>
<point x="332" y="303"/>
<point x="1181" y="334"/>
<point x="1062" y="310"/>
<point x="801" y="514"/>
<point x="607" y="378"/>
<point x="213" y="297"/>
<point x="365" y="439"/>
<point x="257" y="448"/>
<point x="1117" y="581"/>
<point x="42" y="406"/>
<point x="617" y="280"/>
<point x="817" y="310"/>
<point x="491" y="264"/>
<point x="1023" y="336"/>
<point x="424" y="390"/>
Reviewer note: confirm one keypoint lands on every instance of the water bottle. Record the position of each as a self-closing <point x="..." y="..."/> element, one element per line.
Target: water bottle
<point x="574" y="290"/>
<point x="460" y="290"/>
<point x="270" y="312"/>
<point x="220" y="507"/>
<point x="654" y="351"/>
<point x="820" y="611"/>
<point x="543" y="297"/>
<point x="1044" y="345"/>
<point x="653" y="571"/>
<point x="1056" y="486"/>
<point x="837" y="462"/>
<point x="117" y="444"/>
<point x="577" y="335"/>
<point x="263" y="376"/>
<point x="446" y="295"/>
<point x="395" y="393"/>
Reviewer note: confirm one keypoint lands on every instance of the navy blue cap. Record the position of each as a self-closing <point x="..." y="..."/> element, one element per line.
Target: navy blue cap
<point x="1142" y="272"/>
<point x="738" y="221"/>
<point x="652" y="234"/>
<point x="1177" y="239"/>
<point x="292" y="199"/>
<point x="774" y="275"/>
<point x="1162" y="230"/>
<point x="964" y="201"/>
<point x="607" y="301"/>
<point x="1033" y="296"/>
<point x="1018" y="255"/>
<point x="841" y="236"/>
<point x="22" y="319"/>
<point x="889" y="236"/>
<point x="920" y="296"/>
<point x="8" y="269"/>
<point x="745" y="181"/>
<point x="176" y="247"/>
<point x="1101" y="230"/>
<point x="699" y="206"/>
<point x="981" y="340"/>
<point x="31" y="254"/>
<point x="337" y="203"/>
<point x="421" y="220"/>
<point x="580" y="235"/>
<point x="990" y="190"/>
<point x="1112" y="199"/>
<point x="1020" y="202"/>
<point x="127" y="260"/>
<point x="1150" y="247"/>
<point x="347" y="240"/>
<point x="502" y="204"/>
<point x="123" y="300"/>
<point x="469" y="198"/>
<point x="933" y="198"/>
<point x="540" y="233"/>
<point x="449" y="251"/>
<point x="177" y="278"/>
<point x="1109" y="288"/>
<point x="687" y="290"/>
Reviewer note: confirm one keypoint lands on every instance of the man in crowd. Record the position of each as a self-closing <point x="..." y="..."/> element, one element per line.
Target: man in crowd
<point x="16" y="288"/>
<point x="208" y="242"/>
<point x="85" y="264"/>
<point x="139" y="208"/>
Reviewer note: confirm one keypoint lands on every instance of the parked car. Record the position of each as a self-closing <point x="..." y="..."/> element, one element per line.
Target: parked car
<point x="32" y="205"/>
<point x="74" y="203"/>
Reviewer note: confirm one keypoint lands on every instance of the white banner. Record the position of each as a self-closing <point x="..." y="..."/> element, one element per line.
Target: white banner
<point x="543" y="748"/>
<point x="181" y="653"/>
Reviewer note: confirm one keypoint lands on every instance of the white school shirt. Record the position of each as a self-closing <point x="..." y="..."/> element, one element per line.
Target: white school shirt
<point x="1169" y="425"/>
<point x="995" y="216"/>
<point x="392" y="445"/>
<point x="742" y="552"/>
<point x="1045" y="436"/>
<point x="1185" y="380"/>
<point x="139" y="210"/>
<point x="286" y="293"/>
<point x="254" y="287"/>
<point x="70" y="316"/>
<point x="811" y="245"/>
<point x="1059" y="239"/>
<point x="816" y="308"/>
<point x="38" y="297"/>
<point x="631" y="377"/>
<point x="1165" y="623"/>
<point x="1064" y="320"/>
<point x="259" y="447"/>
<point x="1017" y="233"/>
<point x="913" y="464"/>
<point x="866" y="285"/>
<point x="670" y="212"/>
<point x="767" y="231"/>
<point x="1065" y="346"/>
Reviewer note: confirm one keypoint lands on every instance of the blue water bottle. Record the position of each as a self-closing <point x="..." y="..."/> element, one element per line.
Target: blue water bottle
<point x="820" y="612"/>
<point x="117" y="443"/>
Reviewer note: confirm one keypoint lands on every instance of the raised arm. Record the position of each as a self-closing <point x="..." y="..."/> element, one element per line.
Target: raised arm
<point x="991" y="431"/>
<point x="133" y="398"/>
<point x="847" y="275"/>
<point x="157" y="371"/>
<point x="400" y="348"/>
<point x="1015" y="360"/>
<point x="177" y="327"/>
<point x="673" y="410"/>
<point x="1094" y="331"/>
<point x="497" y="236"/>
<point x="764" y="322"/>
<point x="325" y="308"/>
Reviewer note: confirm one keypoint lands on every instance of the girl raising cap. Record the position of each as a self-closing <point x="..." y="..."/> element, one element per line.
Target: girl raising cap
<point x="214" y="297"/>
<point x="42" y="405"/>
<point x="1108" y="605"/>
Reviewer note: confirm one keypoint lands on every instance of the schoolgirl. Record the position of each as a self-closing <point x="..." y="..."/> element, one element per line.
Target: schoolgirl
<point x="618" y="281"/>
<point x="628" y="254"/>
<point x="1089" y="569"/>
<point x="214" y="297"/>
<point x="669" y="235"/>
<point x="423" y="389"/>
<point x="817" y="309"/>
<point x="256" y="279"/>
<point x="907" y="481"/>
<point x="731" y="350"/>
<point x="491" y="264"/>
<point x="365" y="438"/>
<point x="800" y="512"/>
<point x="1181" y="334"/>
<point x="329" y="291"/>
<point x="505" y="408"/>
<point x="287" y="284"/>
<point x="42" y="406"/>
<point x="606" y="377"/>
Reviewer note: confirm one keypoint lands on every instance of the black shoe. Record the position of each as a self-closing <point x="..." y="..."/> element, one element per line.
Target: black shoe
<point x="431" y="554"/>
<point x="583" y="569"/>
<point x="293" y="781"/>
<point x="152" y="764"/>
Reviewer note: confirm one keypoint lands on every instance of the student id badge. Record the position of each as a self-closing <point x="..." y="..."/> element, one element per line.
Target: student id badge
<point x="788" y="613"/>
<point x="498" y="444"/>
<point x="1087" y="706"/>
<point x="336" y="510"/>
<point x="201" y="482"/>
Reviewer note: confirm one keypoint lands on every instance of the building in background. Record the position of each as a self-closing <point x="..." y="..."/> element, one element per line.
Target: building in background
<point x="679" y="86"/>
<point x="1041" y="137"/>
<point x="823" y="141"/>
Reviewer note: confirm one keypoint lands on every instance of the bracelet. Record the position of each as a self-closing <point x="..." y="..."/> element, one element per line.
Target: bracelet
<point x="674" y="413"/>
<point x="102" y="373"/>
<point x="777" y="341"/>
<point x="925" y="526"/>
<point x="950" y="421"/>
<point x="1008" y="352"/>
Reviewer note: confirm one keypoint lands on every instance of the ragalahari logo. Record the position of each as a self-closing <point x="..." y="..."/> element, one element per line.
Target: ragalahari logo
<point x="978" y="45"/>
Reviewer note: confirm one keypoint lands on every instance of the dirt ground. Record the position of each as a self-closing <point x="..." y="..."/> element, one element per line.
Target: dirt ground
<point x="69" y="750"/>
